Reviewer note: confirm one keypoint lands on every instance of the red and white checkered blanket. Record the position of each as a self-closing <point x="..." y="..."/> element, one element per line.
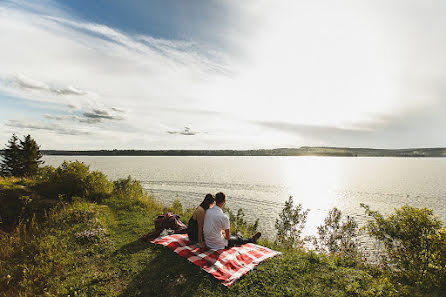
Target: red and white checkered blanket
<point x="226" y="265"/>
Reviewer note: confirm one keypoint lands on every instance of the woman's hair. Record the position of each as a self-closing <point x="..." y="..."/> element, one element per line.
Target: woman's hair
<point x="208" y="200"/>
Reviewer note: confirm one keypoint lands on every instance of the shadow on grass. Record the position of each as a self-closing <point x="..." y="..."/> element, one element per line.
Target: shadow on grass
<point x="133" y="247"/>
<point x="168" y="274"/>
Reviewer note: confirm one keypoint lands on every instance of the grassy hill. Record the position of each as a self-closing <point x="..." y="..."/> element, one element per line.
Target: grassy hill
<point x="63" y="245"/>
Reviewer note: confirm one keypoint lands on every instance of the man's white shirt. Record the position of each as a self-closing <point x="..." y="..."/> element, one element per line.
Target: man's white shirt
<point x="214" y="222"/>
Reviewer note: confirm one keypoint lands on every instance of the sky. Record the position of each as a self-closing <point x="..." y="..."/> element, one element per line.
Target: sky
<point x="215" y="74"/>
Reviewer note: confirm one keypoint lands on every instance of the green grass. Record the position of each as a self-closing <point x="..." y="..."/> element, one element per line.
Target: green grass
<point x="50" y="257"/>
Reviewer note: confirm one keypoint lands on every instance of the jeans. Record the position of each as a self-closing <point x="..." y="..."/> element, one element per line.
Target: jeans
<point x="235" y="240"/>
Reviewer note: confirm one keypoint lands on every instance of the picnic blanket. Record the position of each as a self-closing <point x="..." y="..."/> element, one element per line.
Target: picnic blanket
<point x="226" y="265"/>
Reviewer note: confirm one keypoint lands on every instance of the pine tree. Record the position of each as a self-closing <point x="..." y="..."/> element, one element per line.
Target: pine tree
<point x="30" y="156"/>
<point x="20" y="157"/>
<point x="10" y="165"/>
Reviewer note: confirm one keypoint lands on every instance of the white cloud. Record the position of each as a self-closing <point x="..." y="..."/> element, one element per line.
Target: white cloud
<point x="36" y="125"/>
<point x="186" y="131"/>
<point x="24" y="82"/>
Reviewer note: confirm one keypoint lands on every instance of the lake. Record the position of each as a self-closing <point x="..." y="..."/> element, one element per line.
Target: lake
<point x="260" y="185"/>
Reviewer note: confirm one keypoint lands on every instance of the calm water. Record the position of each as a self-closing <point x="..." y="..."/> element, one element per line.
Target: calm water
<point x="260" y="185"/>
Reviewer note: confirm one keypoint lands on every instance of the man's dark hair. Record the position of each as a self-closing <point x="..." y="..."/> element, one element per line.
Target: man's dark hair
<point x="220" y="197"/>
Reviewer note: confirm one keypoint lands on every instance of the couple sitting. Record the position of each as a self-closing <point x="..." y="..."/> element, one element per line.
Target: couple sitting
<point x="209" y="226"/>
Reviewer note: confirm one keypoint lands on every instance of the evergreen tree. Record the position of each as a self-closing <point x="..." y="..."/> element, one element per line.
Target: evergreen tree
<point x="10" y="165"/>
<point x="30" y="156"/>
<point x="20" y="157"/>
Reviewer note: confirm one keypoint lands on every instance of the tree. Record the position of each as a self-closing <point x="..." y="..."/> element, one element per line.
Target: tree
<point x="337" y="236"/>
<point x="290" y="224"/>
<point x="10" y="165"/>
<point x="30" y="156"/>
<point x="21" y="157"/>
<point x="415" y="243"/>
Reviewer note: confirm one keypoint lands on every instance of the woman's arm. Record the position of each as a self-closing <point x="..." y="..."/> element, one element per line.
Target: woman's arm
<point x="200" y="220"/>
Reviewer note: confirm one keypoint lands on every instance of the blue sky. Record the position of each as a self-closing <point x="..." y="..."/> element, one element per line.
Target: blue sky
<point x="180" y="20"/>
<point x="223" y="74"/>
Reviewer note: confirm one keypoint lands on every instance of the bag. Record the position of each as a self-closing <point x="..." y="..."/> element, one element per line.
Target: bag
<point x="167" y="221"/>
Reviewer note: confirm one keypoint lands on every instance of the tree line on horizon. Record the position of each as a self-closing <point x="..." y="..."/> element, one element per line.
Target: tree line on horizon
<point x="302" y="151"/>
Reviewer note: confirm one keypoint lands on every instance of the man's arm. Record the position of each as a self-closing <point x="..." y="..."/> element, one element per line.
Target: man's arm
<point x="226" y="226"/>
<point x="227" y="234"/>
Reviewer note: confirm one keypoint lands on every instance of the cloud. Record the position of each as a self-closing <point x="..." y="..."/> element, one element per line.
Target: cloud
<point x="45" y="126"/>
<point x="298" y="69"/>
<point x="416" y="128"/>
<point x="72" y="118"/>
<point x="186" y="131"/>
<point x="313" y="131"/>
<point x="24" y="82"/>
<point x="101" y="114"/>
<point x="92" y="116"/>
<point x="27" y="83"/>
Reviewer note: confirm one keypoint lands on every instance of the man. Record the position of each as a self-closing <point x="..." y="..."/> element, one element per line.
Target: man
<point x="216" y="227"/>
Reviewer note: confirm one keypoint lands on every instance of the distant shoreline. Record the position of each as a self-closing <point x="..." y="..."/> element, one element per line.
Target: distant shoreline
<point x="303" y="151"/>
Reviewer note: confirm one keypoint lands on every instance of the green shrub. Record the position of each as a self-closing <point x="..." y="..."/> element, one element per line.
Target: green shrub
<point x="239" y="225"/>
<point x="176" y="207"/>
<point x="75" y="179"/>
<point x="44" y="173"/>
<point x="415" y="244"/>
<point x="338" y="237"/>
<point x="19" y="204"/>
<point x="131" y="188"/>
<point x="290" y="224"/>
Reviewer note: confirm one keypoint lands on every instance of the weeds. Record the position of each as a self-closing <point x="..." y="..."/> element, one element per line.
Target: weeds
<point x="83" y="246"/>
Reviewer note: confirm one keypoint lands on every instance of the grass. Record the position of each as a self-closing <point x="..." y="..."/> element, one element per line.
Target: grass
<point x="94" y="249"/>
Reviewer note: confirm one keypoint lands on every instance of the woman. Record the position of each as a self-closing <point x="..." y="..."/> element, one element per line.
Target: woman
<point x="195" y="225"/>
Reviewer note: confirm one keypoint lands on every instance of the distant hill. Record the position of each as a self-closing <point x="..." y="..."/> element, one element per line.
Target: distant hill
<point x="302" y="151"/>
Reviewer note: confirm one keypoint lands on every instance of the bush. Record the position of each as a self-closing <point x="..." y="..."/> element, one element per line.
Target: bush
<point x="337" y="237"/>
<point x="290" y="224"/>
<point x="75" y="179"/>
<point x="176" y="207"/>
<point x="415" y="244"/>
<point x="19" y="204"/>
<point x="44" y="173"/>
<point x="239" y="225"/>
<point x="128" y="187"/>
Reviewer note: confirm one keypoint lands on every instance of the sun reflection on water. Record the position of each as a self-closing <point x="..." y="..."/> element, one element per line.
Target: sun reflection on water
<point x="313" y="182"/>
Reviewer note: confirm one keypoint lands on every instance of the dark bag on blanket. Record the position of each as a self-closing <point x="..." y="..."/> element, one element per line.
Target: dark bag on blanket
<point x="167" y="221"/>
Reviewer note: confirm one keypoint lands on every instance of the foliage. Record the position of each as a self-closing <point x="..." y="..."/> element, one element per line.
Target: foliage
<point x="94" y="249"/>
<point x="68" y="255"/>
<point x="39" y="259"/>
<point x="415" y="244"/>
<point x="128" y="187"/>
<point x="75" y="179"/>
<point x="239" y="225"/>
<point x="176" y="207"/>
<point x="44" y="173"/>
<point x="91" y="235"/>
<point x="18" y="203"/>
<point x="290" y="224"/>
<point x="21" y="157"/>
<point x="10" y="165"/>
<point x="338" y="237"/>
<point x="30" y="156"/>
<point x="128" y="194"/>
